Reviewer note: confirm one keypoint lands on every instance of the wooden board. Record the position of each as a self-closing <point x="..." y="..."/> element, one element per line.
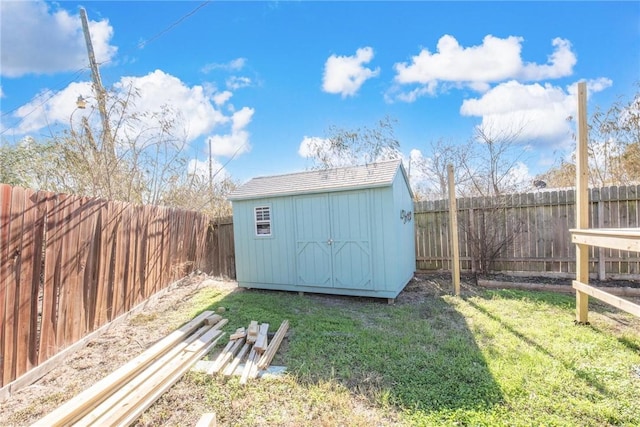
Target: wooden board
<point x="207" y="420"/>
<point x="261" y="342"/>
<point x="125" y="397"/>
<point x="230" y="369"/>
<point x="627" y="239"/>
<point x="249" y="367"/>
<point x="5" y="274"/>
<point x="252" y="332"/>
<point x="213" y="369"/>
<point x="12" y="261"/>
<point x="613" y="300"/>
<point x="227" y="355"/>
<point x="143" y="397"/>
<point x="29" y="284"/>
<point x="268" y="355"/>
<point x="83" y="402"/>
<point x="206" y="338"/>
<point x="239" y="333"/>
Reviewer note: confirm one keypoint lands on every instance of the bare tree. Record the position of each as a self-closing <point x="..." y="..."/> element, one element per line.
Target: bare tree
<point x="432" y="169"/>
<point x="147" y="163"/>
<point x="344" y="147"/>
<point x="561" y="176"/>
<point x="24" y="163"/>
<point x="613" y="150"/>
<point x="493" y="162"/>
<point x="196" y="192"/>
<point x="614" y="141"/>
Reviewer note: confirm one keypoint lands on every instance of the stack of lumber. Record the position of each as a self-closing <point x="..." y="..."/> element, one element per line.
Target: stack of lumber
<point x="252" y="346"/>
<point x="122" y="396"/>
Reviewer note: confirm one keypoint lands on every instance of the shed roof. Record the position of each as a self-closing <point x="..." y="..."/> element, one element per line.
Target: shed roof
<point x="317" y="181"/>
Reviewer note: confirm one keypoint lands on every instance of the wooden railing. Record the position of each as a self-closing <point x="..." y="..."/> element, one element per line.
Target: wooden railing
<point x="618" y="238"/>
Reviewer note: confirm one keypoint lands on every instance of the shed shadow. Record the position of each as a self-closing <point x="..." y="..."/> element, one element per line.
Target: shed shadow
<point x="417" y="355"/>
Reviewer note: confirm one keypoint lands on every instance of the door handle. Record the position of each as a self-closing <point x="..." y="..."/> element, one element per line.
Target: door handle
<point x="330" y="241"/>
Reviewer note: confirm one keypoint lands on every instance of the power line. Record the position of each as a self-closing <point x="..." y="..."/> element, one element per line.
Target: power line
<point x="172" y="26"/>
<point x="49" y="92"/>
<point x="60" y="86"/>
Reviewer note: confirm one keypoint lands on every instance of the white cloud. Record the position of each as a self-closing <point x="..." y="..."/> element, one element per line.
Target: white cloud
<point x="40" y="40"/>
<point x="237" y="141"/>
<point x="560" y="63"/>
<point x="158" y="89"/>
<point x="233" y="65"/>
<point x="495" y="59"/>
<point x="197" y="107"/>
<point x="415" y="165"/>
<point x="241" y="119"/>
<point x="345" y="75"/>
<point x="238" y="82"/>
<point x="540" y="112"/>
<point x="222" y="97"/>
<point x="396" y="93"/>
<point x="519" y="176"/>
<point x="596" y="85"/>
<point x="476" y="67"/>
<point x="58" y="108"/>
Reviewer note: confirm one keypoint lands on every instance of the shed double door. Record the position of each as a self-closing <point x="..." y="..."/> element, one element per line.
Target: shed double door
<point x="333" y="245"/>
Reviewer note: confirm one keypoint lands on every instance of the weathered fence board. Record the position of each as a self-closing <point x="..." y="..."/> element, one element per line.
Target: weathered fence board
<point x="533" y="228"/>
<point x="69" y="265"/>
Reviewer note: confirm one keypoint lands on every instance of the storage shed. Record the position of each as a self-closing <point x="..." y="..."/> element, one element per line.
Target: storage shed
<point x="346" y="231"/>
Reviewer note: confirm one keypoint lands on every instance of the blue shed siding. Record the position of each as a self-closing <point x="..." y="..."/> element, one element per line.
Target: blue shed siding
<point x="405" y="234"/>
<point x="351" y="235"/>
<point x="263" y="259"/>
<point x="312" y="255"/>
<point x="380" y="201"/>
<point x="350" y="241"/>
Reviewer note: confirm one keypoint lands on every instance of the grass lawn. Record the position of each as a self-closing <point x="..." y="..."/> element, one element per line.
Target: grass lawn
<point x="488" y="358"/>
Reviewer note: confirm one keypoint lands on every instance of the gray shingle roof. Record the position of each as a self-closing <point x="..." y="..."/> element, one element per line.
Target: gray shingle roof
<point x="318" y="181"/>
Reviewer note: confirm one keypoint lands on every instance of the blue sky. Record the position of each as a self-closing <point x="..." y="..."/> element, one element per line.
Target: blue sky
<point x="262" y="79"/>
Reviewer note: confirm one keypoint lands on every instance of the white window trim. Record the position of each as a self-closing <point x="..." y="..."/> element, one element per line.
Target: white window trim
<point x="258" y="222"/>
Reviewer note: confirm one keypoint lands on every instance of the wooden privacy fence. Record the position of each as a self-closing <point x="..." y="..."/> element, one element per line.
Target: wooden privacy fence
<point x="70" y="265"/>
<point x="529" y="232"/>
<point x="220" y="259"/>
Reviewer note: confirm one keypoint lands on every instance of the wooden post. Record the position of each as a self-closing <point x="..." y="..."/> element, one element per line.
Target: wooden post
<point x="602" y="263"/>
<point x="582" y="204"/>
<point x="472" y="229"/>
<point x="453" y="233"/>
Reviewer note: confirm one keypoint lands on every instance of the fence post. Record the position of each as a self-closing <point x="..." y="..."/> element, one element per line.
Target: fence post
<point x="602" y="264"/>
<point x="453" y="225"/>
<point x="472" y="232"/>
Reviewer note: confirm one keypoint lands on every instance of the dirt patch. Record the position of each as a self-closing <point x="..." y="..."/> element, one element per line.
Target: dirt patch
<point x="428" y="285"/>
<point x="106" y="353"/>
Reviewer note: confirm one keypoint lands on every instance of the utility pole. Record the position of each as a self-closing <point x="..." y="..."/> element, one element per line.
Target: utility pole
<point x="107" y="141"/>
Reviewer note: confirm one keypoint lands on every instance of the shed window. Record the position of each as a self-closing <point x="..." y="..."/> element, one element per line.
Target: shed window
<point x="263" y="221"/>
